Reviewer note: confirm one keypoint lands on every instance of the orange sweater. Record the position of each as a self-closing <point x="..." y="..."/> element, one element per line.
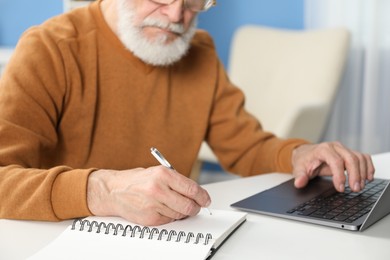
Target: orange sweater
<point x="72" y="100"/>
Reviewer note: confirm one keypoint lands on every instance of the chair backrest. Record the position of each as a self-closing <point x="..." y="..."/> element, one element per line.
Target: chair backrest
<point x="290" y="78"/>
<point x="5" y="55"/>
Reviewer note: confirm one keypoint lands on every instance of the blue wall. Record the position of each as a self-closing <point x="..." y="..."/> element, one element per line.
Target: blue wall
<point x="221" y="21"/>
<point x="18" y="15"/>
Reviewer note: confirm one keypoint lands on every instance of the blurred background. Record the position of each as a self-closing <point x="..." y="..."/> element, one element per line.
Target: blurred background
<point x="360" y="117"/>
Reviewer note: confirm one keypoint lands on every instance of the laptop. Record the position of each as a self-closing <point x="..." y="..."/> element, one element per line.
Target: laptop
<point x="320" y="203"/>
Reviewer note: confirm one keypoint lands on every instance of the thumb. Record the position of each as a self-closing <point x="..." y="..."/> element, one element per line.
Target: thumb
<point x="301" y="179"/>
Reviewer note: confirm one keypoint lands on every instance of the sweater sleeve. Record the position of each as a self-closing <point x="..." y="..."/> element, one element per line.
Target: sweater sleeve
<point x="238" y="139"/>
<point x="33" y="194"/>
<point x="32" y="93"/>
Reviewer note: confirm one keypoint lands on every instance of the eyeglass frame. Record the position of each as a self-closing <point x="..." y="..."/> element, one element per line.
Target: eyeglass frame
<point x="213" y="3"/>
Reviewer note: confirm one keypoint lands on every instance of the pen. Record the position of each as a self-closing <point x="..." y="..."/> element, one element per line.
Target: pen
<point x="161" y="159"/>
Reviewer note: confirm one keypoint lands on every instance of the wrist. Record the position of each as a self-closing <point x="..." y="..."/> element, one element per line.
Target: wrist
<point x="98" y="193"/>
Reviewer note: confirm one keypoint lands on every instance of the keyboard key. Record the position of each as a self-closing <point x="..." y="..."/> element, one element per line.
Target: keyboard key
<point x="347" y="206"/>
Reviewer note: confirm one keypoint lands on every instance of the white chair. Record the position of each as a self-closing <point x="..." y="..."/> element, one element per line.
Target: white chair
<point x="290" y="79"/>
<point x="5" y="55"/>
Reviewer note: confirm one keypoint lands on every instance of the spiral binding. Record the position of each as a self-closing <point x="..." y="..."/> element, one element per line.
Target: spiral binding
<point x="141" y="232"/>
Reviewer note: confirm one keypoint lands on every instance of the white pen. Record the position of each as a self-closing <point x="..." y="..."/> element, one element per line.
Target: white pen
<point x="161" y="159"/>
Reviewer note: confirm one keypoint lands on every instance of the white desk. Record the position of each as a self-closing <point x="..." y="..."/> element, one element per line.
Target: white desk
<point x="260" y="237"/>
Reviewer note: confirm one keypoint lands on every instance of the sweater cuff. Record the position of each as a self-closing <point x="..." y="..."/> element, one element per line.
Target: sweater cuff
<point x="284" y="158"/>
<point x="69" y="194"/>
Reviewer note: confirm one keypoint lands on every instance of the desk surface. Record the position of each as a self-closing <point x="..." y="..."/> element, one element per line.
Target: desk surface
<point x="260" y="237"/>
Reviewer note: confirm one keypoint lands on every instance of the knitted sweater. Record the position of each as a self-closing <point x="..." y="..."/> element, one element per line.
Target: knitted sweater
<point x="73" y="99"/>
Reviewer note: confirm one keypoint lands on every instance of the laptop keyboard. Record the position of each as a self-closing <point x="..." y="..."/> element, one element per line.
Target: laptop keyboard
<point x="347" y="206"/>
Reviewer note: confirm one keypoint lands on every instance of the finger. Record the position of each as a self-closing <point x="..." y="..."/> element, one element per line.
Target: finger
<point x="352" y="165"/>
<point x="301" y="180"/>
<point x="179" y="193"/>
<point x="152" y="213"/>
<point x="190" y="189"/>
<point x="335" y="163"/>
<point x="321" y="159"/>
<point x="363" y="169"/>
<point x="170" y="213"/>
<point x="306" y="169"/>
<point x="158" y="219"/>
<point x="179" y="205"/>
<point x="370" y="167"/>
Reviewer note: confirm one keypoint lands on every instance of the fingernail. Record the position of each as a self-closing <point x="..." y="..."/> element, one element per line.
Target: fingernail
<point x="357" y="186"/>
<point x="341" y="188"/>
<point x="362" y="184"/>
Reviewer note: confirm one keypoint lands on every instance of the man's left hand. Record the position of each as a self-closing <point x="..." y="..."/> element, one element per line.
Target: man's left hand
<point x="332" y="159"/>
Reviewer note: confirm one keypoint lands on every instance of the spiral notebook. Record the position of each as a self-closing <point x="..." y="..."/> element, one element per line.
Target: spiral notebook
<point x="196" y="237"/>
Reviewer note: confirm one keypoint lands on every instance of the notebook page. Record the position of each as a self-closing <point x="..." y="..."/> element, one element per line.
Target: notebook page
<point x="220" y="224"/>
<point x="75" y="244"/>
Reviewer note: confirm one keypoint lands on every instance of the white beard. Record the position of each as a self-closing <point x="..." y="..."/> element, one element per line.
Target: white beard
<point x="155" y="52"/>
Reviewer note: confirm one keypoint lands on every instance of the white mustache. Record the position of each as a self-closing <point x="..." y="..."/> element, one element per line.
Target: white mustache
<point x="173" y="27"/>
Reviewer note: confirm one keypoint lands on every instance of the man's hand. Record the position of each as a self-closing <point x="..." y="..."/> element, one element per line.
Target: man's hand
<point x="331" y="159"/>
<point x="151" y="196"/>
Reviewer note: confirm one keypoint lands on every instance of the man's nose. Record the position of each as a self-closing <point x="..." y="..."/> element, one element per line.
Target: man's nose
<point x="174" y="11"/>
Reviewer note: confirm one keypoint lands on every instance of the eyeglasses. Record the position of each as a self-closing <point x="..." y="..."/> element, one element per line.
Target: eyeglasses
<point x="193" y="5"/>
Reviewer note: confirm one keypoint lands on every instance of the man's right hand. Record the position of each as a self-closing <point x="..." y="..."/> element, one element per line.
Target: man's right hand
<point x="150" y="197"/>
